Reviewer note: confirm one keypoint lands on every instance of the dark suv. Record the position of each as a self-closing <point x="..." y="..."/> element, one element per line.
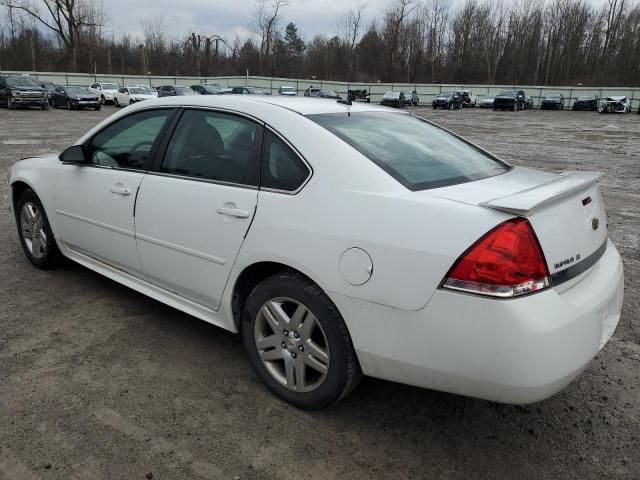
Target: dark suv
<point x="510" y="100"/>
<point x="22" y="90"/>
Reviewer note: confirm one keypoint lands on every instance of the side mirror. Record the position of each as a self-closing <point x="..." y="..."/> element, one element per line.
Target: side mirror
<point x="74" y="154"/>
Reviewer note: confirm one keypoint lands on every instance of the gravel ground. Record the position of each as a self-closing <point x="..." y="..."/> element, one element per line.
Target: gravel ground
<point x="97" y="381"/>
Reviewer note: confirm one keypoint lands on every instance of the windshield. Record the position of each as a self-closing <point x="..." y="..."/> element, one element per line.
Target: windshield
<point x="183" y="90"/>
<point x="109" y="86"/>
<point x="392" y="95"/>
<point x="507" y="93"/>
<point x="255" y="91"/>
<point x="22" y="82"/>
<point x="416" y="153"/>
<point x="553" y="97"/>
<point x="77" y="91"/>
<point x="446" y="94"/>
<point x="287" y="89"/>
<point x="138" y="91"/>
<point x="586" y="98"/>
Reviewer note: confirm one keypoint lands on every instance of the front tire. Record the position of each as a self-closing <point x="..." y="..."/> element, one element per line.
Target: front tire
<point x="35" y="232"/>
<point x="298" y="343"/>
<point x="116" y="103"/>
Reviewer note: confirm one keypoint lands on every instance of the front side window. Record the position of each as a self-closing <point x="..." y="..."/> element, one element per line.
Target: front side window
<point x="127" y="142"/>
<point x="281" y="168"/>
<point x="416" y="153"/>
<point x="215" y="146"/>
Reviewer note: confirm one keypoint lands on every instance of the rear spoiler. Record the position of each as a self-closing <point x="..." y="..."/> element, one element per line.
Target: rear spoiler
<point x="524" y="202"/>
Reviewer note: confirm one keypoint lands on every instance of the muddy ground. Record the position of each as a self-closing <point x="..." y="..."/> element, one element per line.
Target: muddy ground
<point x="99" y="382"/>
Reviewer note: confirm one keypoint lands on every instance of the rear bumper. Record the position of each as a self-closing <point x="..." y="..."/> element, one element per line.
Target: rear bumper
<point x="512" y="351"/>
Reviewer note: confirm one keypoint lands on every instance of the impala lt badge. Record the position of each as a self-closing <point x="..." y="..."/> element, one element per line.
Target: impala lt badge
<point x="595" y="223"/>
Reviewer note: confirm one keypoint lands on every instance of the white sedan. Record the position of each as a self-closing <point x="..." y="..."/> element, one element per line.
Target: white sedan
<point x="129" y="95"/>
<point x="339" y="239"/>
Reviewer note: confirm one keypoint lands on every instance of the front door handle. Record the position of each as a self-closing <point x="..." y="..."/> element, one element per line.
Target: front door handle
<point x="233" y="212"/>
<point x="120" y="191"/>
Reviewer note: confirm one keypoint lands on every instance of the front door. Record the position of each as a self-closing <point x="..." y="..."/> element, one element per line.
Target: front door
<point x="193" y="212"/>
<point x="95" y="201"/>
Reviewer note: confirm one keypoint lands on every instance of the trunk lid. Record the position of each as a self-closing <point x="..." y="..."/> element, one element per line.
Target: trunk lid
<point x="565" y="210"/>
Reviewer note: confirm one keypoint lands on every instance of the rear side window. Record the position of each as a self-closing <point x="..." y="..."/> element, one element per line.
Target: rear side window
<point x="416" y="153"/>
<point x="215" y="146"/>
<point x="281" y="168"/>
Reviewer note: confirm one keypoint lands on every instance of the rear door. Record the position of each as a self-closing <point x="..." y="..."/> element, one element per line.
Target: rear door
<point x="194" y="209"/>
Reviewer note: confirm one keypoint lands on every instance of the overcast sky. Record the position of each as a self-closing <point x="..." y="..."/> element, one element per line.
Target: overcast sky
<point x="229" y="18"/>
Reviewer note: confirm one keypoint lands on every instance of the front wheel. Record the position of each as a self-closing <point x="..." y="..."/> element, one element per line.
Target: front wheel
<point x="10" y="104"/>
<point x="103" y="101"/>
<point x="298" y="342"/>
<point x="35" y="232"/>
<point x="116" y="103"/>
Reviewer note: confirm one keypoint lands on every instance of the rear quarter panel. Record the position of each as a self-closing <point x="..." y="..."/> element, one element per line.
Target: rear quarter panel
<point x="412" y="238"/>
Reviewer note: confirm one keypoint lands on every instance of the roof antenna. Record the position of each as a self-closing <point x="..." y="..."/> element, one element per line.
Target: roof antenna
<point x="347" y="103"/>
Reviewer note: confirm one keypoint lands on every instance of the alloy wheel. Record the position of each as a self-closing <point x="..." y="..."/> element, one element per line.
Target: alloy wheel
<point x="33" y="232"/>
<point x="292" y="344"/>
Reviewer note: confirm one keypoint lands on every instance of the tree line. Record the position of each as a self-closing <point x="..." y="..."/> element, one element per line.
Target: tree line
<point x="536" y="42"/>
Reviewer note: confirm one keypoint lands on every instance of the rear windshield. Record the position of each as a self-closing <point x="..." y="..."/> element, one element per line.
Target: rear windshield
<point x="416" y="153"/>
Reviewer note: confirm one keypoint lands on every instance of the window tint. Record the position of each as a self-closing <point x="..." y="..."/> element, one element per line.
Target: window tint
<point x="215" y="146"/>
<point x="416" y="153"/>
<point x="282" y="169"/>
<point x="127" y="142"/>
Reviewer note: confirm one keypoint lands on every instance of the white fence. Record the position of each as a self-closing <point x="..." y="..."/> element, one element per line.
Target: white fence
<point x="377" y="90"/>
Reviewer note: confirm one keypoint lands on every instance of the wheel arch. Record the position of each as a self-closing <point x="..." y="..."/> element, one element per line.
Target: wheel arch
<point x="249" y="278"/>
<point x="18" y="187"/>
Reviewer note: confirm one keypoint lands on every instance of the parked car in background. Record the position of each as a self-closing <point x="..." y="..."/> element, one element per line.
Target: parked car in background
<point x="509" y="100"/>
<point x="487" y="102"/>
<point x="130" y="95"/>
<point x="22" y="91"/>
<point x="105" y="91"/>
<point x="247" y="91"/>
<point x="287" y="91"/>
<point x="615" y="104"/>
<point x="528" y="102"/>
<point x="206" y="89"/>
<point x="553" y="101"/>
<point x="586" y="102"/>
<point x="359" y="95"/>
<point x="447" y="100"/>
<point x="393" y="99"/>
<point x="174" y="90"/>
<point x="50" y="88"/>
<point x="467" y="98"/>
<point x="445" y="267"/>
<point x="411" y="98"/>
<point x="75" y="97"/>
<point x="148" y="89"/>
<point x="312" y="92"/>
<point x="329" y="94"/>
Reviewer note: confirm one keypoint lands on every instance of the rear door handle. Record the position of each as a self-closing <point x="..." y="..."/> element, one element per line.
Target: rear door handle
<point x="233" y="212"/>
<point x="121" y="191"/>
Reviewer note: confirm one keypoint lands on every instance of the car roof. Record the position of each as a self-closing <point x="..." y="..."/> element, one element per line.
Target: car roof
<point x="244" y="103"/>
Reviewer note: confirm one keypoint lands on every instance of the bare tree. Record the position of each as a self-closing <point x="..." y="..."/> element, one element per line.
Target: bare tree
<point x="66" y="18"/>
<point x="266" y="18"/>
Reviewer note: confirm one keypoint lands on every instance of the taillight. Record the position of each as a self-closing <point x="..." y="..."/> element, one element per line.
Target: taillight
<point x="506" y="262"/>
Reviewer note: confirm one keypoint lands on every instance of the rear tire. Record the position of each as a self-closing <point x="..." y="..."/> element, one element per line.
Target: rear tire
<point x="285" y="350"/>
<point x="35" y="233"/>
